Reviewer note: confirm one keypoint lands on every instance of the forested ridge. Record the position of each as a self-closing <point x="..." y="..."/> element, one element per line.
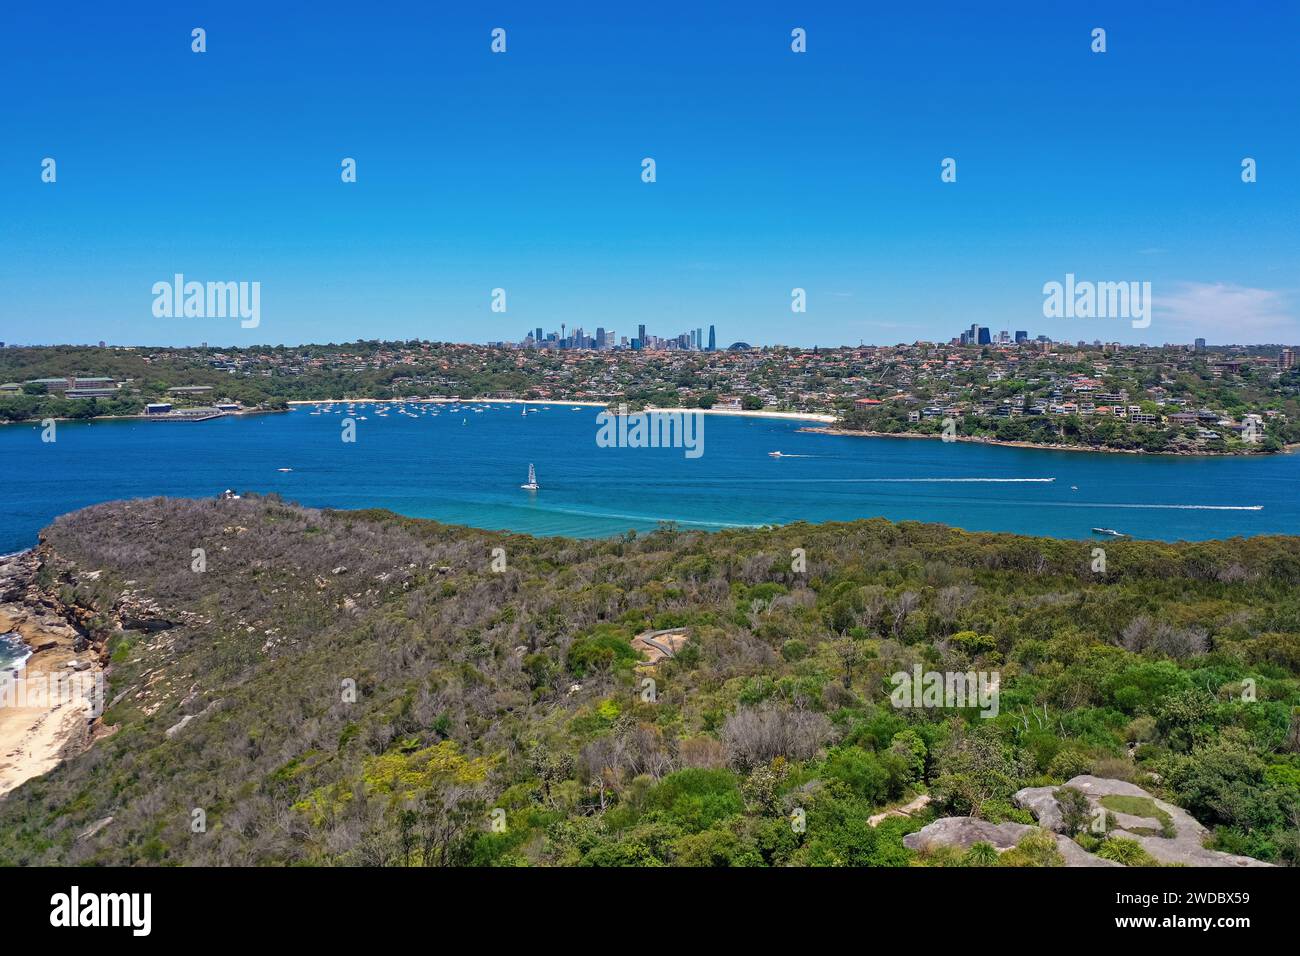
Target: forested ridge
<point x="501" y="715"/>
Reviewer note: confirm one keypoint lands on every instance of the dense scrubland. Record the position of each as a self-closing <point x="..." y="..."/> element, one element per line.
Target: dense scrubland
<point x="500" y="718"/>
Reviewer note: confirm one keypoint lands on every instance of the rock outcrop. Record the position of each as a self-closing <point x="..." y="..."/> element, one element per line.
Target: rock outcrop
<point x="1184" y="845"/>
<point x="45" y="716"/>
<point x="965" y="832"/>
<point x="1178" y="839"/>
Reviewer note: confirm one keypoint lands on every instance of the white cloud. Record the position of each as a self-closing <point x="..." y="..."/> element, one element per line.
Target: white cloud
<point x="1225" y="314"/>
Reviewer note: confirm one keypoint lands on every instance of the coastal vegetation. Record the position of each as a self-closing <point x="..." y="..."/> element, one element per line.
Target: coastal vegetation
<point x="364" y="688"/>
<point x="1073" y="431"/>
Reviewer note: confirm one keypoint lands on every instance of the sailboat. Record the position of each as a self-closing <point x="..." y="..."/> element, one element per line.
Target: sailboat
<point x="532" y="480"/>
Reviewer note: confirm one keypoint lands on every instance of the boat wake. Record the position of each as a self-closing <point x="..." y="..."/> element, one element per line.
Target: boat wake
<point x="1072" y="504"/>
<point x="918" y="480"/>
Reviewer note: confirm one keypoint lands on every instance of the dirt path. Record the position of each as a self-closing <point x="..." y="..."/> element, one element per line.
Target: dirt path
<point x="920" y="803"/>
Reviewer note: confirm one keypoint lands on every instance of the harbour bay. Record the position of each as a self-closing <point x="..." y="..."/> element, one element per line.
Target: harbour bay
<point x="465" y="463"/>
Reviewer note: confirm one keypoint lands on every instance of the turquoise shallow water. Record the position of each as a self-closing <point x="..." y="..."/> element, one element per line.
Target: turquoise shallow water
<point x="12" y="651"/>
<point x="466" y="467"/>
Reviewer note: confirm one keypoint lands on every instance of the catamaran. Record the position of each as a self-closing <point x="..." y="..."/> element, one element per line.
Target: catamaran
<point x="532" y="484"/>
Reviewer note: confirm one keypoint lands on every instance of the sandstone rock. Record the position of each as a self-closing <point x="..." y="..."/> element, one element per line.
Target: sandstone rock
<point x="965" y="832"/>
<point x="94" y="828"/>
<point x="1041" y="802"/>
<point x="176" y="728"/>
<point x="1185" y="846"/>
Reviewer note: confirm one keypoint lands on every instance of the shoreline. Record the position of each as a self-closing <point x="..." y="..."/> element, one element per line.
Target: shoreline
<point x="975" y="440"/>
<point x="736" y="412"/>
<point x="823" y="419"/>
<point x="744" y="413"/>
<point x="36" y="739"/>
<point x="145" y="418"/>
<point x="441" y="401"/>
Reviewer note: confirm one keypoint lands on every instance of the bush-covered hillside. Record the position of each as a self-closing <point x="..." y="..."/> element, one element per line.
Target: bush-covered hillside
<point x="500" y="717"/>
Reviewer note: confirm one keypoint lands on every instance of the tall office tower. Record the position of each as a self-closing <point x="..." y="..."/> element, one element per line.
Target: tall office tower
<point x="539" y="333"/>
<point x="984" y="336"/>
<point x="1004" y="337"/>
<point x="1200" y="345"/>
<point x="1021" y="337"/>
<point x="974" y="334"/>
<point x="713" y="339"/>
<point x="699" y="338"/>
<point x="600" y="337"/>
<point x="640" y="334"/>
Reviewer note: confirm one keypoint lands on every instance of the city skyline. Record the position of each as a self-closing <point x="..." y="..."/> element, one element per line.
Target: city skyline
<point x="567" y="341"/>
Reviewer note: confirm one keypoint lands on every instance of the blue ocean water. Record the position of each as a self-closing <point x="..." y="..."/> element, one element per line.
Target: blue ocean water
<point x="13" y="652"/>
<point x="466" y="467"/>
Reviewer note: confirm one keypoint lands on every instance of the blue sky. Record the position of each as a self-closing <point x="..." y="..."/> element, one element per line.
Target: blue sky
<point x="775" y="169"/>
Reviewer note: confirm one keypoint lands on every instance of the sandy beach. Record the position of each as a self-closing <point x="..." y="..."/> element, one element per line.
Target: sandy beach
<point x="443" y="401"/>
<point x="792" y="416"/>
<point x="38" y="729"/>
<point x="738" y="413"/>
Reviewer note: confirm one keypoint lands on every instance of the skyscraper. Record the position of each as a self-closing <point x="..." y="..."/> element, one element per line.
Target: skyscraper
<point x="713" y="340"/>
